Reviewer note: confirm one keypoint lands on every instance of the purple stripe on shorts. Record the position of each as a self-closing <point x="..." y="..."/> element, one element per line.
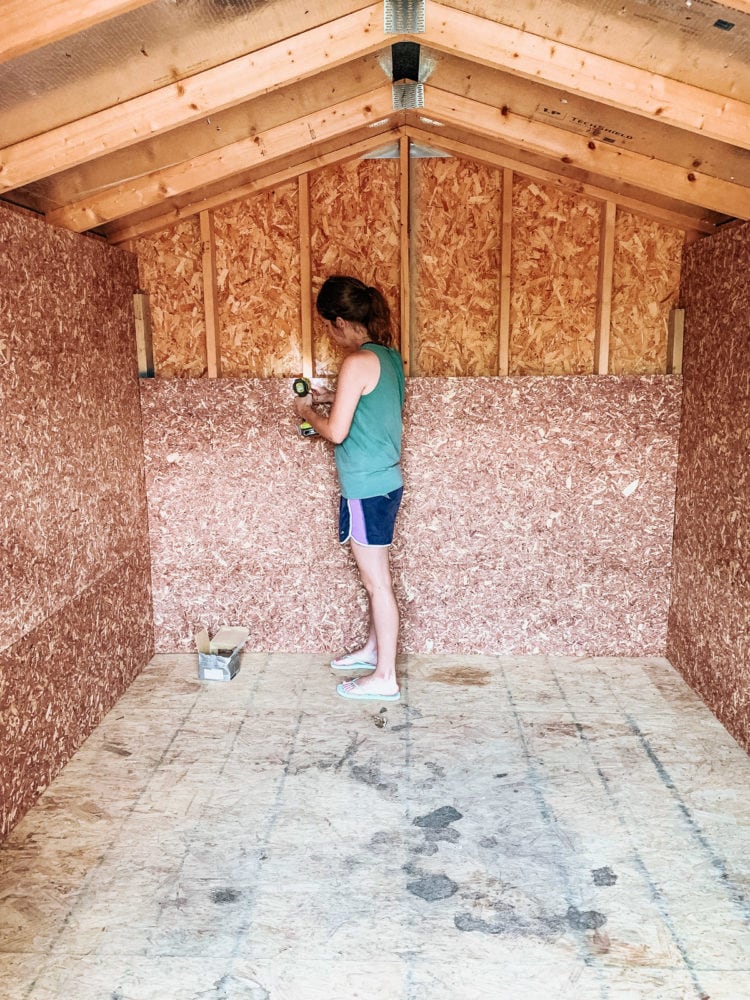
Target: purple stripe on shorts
<point x="358" y="528"/>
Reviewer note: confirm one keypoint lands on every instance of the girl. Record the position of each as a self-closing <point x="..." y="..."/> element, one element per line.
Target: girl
<point x="364" y="424"/>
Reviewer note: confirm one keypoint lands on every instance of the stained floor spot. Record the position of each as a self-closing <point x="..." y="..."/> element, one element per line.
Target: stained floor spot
<point x="225" y="896"/>
<point x="603" y="876"/>
<point x="433" y="887"/>
<point x="461" y="676"/>
<point x="439" y="818"/>
<point x="588" y="920"/>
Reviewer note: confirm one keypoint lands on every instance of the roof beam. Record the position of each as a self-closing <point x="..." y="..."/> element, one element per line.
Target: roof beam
<point x="491" y="158"/>
<point x="349" y="151"/>
<point x="209" y="168"/>
<point x="742" y="5"/>
<point x="583" y="152"/>
<point x="616" y="84"/>
<point x="240" y="80"/>
<point x="30" y="26"/>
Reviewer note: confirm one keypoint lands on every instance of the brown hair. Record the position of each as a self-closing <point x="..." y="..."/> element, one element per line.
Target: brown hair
<point x="353" y="300"/>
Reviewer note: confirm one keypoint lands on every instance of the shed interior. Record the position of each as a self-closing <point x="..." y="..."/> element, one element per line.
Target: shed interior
<point x="547" y="196"/>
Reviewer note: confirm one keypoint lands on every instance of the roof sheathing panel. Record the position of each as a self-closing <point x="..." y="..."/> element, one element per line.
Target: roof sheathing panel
<point x="160" y="43"/>
<point x="664" y="36"/>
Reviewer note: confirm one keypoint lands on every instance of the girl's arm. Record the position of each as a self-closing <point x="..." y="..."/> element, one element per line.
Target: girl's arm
<point x="359" y="373"/>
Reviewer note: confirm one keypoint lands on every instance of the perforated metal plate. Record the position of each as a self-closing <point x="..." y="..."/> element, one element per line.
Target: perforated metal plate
<point x="408" y="95"/>
<point x="404" y="16"/>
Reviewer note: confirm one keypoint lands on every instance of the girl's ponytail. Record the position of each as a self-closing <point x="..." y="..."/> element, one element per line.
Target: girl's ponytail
<point x="353" y="300"/>
<point x="379" y="325"/>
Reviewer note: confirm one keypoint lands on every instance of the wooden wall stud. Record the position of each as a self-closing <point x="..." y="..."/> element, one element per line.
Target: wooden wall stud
<point x="675" y="332"/>
<point x="506" y="247"/>
<point x="143" y="335"/>
<point x="305" y="271"/>
<point x="604" y="289"/>
<point x="405" y="228"/>
<point x="208" y="239"/>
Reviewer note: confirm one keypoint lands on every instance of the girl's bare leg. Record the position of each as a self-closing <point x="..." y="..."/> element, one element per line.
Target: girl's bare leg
<point x="375" y="571"/>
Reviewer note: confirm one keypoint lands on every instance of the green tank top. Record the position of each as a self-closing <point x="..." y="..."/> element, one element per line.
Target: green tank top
<point x="368" y="460"/>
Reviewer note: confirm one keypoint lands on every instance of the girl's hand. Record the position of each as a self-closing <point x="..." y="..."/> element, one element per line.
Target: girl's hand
<point x="302" y="405"/>
<point x="323" y="395"/>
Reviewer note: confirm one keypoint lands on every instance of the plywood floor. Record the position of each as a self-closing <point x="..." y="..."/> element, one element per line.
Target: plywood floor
<point x="513" y="828"/>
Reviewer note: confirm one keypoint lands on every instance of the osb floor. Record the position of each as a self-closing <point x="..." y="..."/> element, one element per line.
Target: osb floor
<point x="513" y="828"/>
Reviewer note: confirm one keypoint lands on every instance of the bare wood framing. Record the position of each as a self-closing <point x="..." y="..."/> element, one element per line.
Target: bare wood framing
<point x="675" y="333"/>
<point x="218" y="164"/>
<point x="742" y="5"/>
<point x="604" y="289"/>
<point x="685" y="222"/>
<point x="587" y="74"/>
<point x="690" y="225"/>
<point x="405" y="234"/>
<point x="31" y="26"/>
<point x="240" y="80"/>
<point x="305" y="266"/>
<point x="210" y="298"/>
<point x="506" y="248"/>
<point x="143" y="335"/>
<point x="623" y="165"/>
<point x="347" y="152"/>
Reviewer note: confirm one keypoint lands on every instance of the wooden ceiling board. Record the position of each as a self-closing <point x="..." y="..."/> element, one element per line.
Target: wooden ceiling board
<point x="575" y="70"/>
<point x="356" y="145"/>
<point x="210" y="92"/>
<point x="213" y="133"/>
<point x="461" y="142"/>
<point x="663" y="36"/>
<point x="538" y="101"/>
<point x="229" y="161"/>
<point x="654" y="175"/>
<point x="55" y="19"/>
<point x="155" y="46"/>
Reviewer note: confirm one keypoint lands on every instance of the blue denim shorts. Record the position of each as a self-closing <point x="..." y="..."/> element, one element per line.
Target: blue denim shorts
<point x="370" y="521"/>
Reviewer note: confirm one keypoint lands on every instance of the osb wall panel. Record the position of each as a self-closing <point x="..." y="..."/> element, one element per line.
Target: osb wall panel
<point x="258" y="278"/>
<point x="645" y="287"/>
<point x="457" y="213"/>
<point x="537" y="517"/>
<point x="58" y="682"/>
<point x="73" y="496"/>
<point x="709" y="622"/>
<point x="354" y="229"/>
<point x="554" y="269"/>
<point x="171" y="271"/>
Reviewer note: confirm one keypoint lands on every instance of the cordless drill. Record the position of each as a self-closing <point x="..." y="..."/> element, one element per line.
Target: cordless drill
<point x="301" y="386"/>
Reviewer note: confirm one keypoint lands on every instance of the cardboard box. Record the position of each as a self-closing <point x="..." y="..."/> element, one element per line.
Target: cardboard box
<point x="219" y="658"/>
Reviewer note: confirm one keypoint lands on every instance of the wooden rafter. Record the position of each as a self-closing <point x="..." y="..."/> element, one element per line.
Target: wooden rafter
<point x="279" y="65"/>
<point x="27" y="27"/>
<point x="574" y="70"/>
<point x="741" y="5"/>
<point x="472" y="152"/>
<point x="349" y="151"/>
<point x="211" y="167"/>
<point x="646" y="172"/>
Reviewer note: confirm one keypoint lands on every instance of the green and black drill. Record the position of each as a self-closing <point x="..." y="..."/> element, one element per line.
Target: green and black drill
<point x="301" y="386"/>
